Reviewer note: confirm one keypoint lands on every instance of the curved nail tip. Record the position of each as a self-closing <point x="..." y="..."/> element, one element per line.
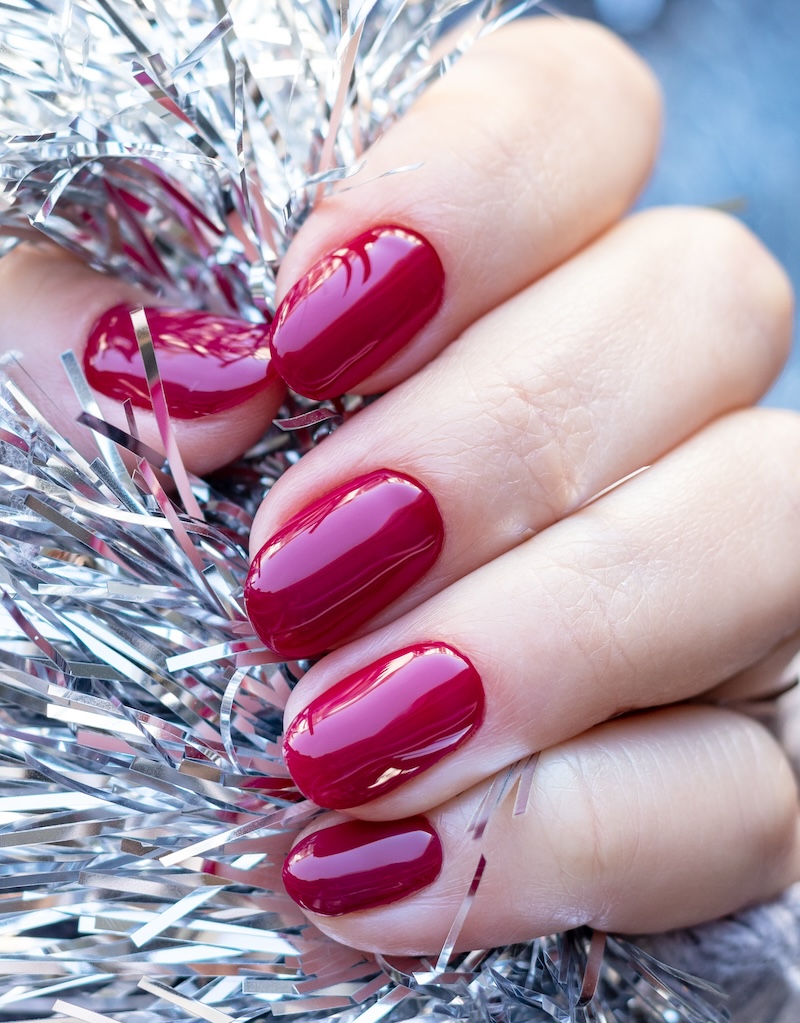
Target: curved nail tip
<point x="340" y="560"/>
<point x="384" y="725"/>
<point x="360" y="865"/>
<point x="208" y="364"/>
<point x="355" y="309"/>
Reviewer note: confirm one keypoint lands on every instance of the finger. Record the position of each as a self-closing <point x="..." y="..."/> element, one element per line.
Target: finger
<point x="770" y="677"/>
<point x="648" y="823"/>
<point x="541" y="405"/>
<point x="221" y="390"/>
<point x="651" y="595"/>
<point x="517" y="165"/>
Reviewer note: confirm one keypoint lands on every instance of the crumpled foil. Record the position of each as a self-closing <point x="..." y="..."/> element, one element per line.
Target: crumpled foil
<point x="133" y="130"/>
<point x="144" y="806"/>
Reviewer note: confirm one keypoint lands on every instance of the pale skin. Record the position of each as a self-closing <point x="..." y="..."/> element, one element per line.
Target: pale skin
<point x="576" y="344"/>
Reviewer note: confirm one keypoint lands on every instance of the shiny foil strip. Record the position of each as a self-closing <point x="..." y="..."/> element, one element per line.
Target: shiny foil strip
<point x="134" y="134"/>
<point x="145" y="810"/>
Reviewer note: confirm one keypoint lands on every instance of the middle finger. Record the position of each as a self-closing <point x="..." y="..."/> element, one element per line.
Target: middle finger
<point x="537" y="408"/>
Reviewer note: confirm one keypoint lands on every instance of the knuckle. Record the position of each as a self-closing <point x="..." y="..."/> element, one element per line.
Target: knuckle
<point x="588" y="794"/>
<point x="727" y="244"/>
<point x="598" y="49"/>
<point x="542" y="429"/>
<point x="774" y="436"/>
<point x="572" y="51"/>
<point x="737" y="289"/>
<point x="745" y="750"/>
<point x="605" y="591"/>
<point x="574" y="71"/>
<point x="718" y="250"/>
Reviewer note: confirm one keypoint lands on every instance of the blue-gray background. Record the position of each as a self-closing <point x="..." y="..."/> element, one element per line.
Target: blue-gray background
<point x="730" y="70"/>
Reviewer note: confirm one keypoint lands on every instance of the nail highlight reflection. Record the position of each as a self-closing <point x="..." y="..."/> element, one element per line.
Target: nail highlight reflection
<point x="340" y="560"/>
<point x="354" y="309"/>
<point x="384" y="725"/>
<point x="207" y="363"/>
<point x="361" y="865"/>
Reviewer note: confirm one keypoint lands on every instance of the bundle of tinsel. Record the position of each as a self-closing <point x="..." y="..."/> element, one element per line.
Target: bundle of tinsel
<point x="144" y="806"/>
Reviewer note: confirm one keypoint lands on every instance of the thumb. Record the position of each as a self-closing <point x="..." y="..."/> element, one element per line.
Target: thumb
<point x="221" y="389"/>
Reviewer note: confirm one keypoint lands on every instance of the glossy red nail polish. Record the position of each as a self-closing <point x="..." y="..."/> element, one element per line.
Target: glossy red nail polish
<point x="355" y="309"/>
<point x="340" y="560"/>
<point x="383" y="725"/>
<point x="362" y="864"/>
<point x="207" y="363"/>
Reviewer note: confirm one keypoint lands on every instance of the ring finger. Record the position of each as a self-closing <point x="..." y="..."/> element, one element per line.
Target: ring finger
<point x="633" y="602"/>
<point x="651" y="822"/>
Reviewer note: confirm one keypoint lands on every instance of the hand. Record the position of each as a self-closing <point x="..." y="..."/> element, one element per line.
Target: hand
<point x="445" y="545"/>
<point x="555" y="352"/>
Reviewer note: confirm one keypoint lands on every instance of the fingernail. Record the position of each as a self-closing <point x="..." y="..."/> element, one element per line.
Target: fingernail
<point x="339" y="561"/>
<point x="362" y="865"/>
<point x="207" y="363"/>
<point x="354" y="309"/>
<point x="383" y="725"/>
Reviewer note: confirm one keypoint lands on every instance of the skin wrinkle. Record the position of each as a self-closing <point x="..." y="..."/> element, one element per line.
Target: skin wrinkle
<point x="652" y="768"/>
<point x="777" y="824"/>
<point x="726" y="755"/>
<point x="595" y="690"/>
<point x="577" y="792"/>
<point x="563" y="79"/>
<point x="619" y="580"/>
<point x="613" y="852"/>
<point x="444" y="364"/>
<point x="715" y="257"/>
<point x="577" y="397"/>
<point x="767" y="825"/>
<point x="594" y="584"/>
<point x="608" y="768"/>
<point x="547" y="410"/>
<point x="509" y="425"/>
<point x="571" y="817"/>
<point x="771" y="431"/>
<point x="691" y="538"/>
<point x="603" y="77"/>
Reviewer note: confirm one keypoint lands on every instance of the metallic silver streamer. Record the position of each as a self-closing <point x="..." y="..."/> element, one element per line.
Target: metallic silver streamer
<point x="144" y="809"/>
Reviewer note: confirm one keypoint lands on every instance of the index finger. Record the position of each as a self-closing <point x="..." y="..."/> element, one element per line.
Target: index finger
<point x="533" y="145"/>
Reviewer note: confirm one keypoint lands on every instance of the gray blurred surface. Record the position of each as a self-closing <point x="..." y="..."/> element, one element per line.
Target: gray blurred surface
<point x="730" y="70"/>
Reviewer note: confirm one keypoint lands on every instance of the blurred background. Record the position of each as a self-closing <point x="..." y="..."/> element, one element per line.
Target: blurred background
<point x="730" y="70"/>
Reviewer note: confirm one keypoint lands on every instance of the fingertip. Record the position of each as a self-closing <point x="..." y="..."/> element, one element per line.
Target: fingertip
<point x="483" y="153"/>
<point x="367" y="299"/>
<point x="353" y="866"/>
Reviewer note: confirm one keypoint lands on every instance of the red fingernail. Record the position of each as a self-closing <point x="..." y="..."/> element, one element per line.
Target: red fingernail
<point x="355" y="309"/>
<point x="207" y="363"/>
<point x="361" y="865"/>
<point x="383" y="725"/>
<point x="339" y="561"/>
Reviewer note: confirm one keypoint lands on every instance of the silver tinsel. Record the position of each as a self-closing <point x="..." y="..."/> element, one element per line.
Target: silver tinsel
<point x="144" y="806"/>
